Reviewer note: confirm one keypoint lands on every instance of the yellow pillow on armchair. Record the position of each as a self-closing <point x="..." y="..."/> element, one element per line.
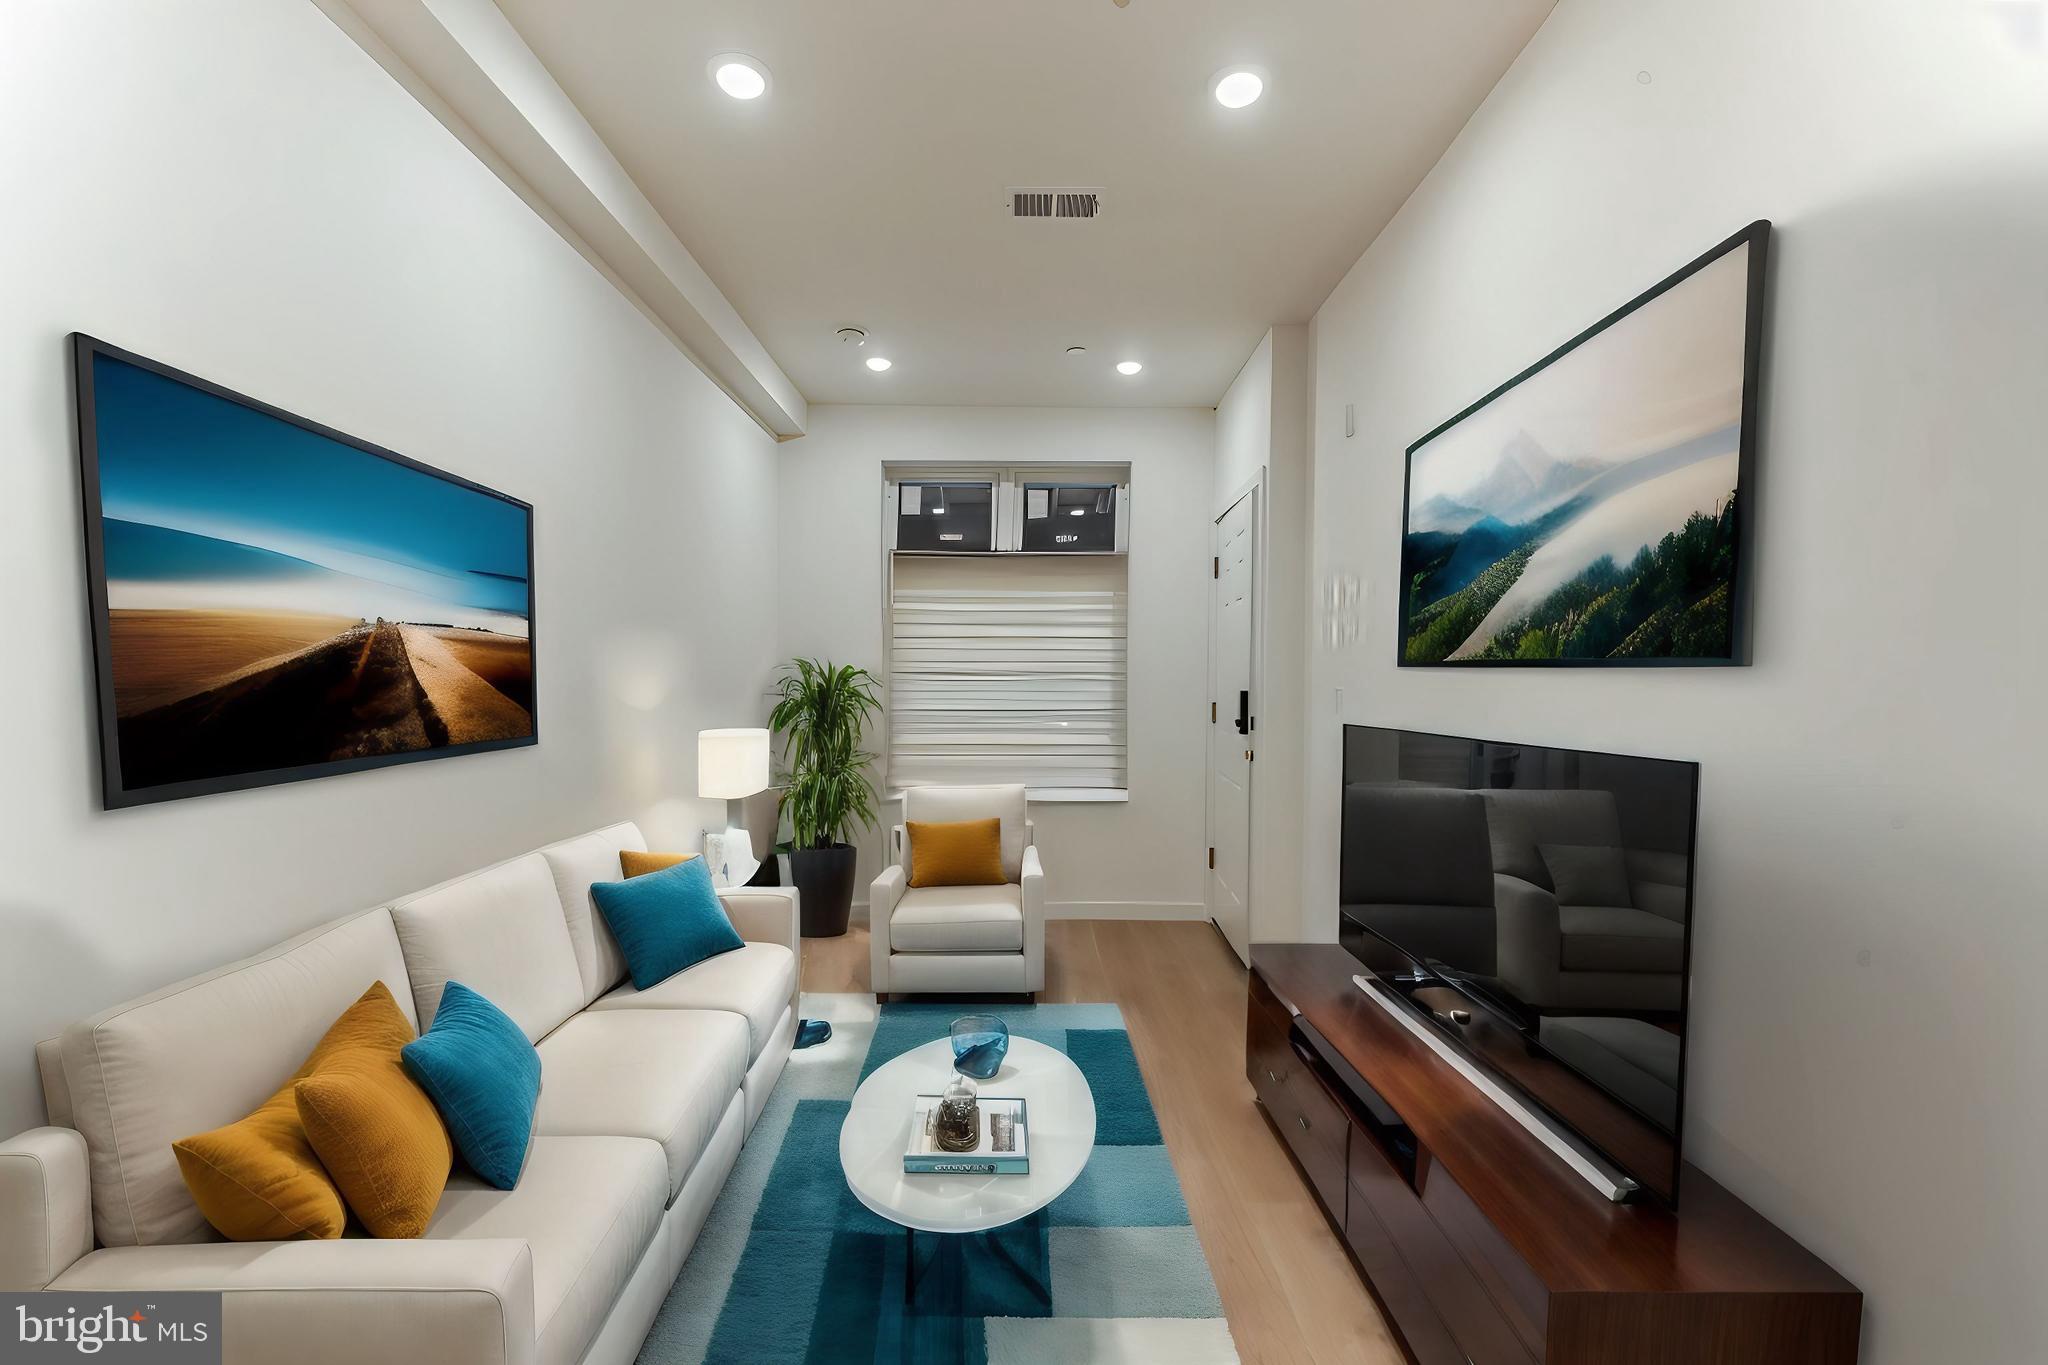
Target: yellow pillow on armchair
<point x="956" y="853"/>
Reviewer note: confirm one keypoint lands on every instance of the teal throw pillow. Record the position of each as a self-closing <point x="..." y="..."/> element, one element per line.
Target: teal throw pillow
<point x="666" y="921"/>
<point x="477" y="1067"/>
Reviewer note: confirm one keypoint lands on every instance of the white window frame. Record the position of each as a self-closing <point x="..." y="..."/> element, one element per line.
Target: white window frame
<point x="1009" y="481"/>
<point x="1008" y="490"/>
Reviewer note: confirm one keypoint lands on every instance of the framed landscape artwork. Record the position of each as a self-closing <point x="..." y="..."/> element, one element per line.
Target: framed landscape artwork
<point x="1590" y="511"/>
<point x="273" y="601"/>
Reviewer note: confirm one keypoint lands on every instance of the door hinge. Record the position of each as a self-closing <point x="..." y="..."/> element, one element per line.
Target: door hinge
<point x="1212" y="713"/>
<point x="1216" y="567"/>
<point x="1212" y="860"/>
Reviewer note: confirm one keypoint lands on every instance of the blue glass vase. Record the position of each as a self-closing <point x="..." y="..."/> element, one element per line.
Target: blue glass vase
<point x="980" y="1042"/>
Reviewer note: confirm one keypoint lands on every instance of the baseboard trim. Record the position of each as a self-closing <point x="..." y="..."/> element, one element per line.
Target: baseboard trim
<point x="1154" y="910"/>
<point x="1138" y="910"/>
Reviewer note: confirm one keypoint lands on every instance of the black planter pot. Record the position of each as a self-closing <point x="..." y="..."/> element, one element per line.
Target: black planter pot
<point x="824" y="888"/>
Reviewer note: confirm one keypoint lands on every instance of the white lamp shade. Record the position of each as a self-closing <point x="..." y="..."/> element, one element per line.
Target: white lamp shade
<point x="731" y="763"/>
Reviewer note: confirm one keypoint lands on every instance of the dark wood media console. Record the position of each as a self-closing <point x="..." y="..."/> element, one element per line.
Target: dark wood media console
<point x="1480" y="1245"/>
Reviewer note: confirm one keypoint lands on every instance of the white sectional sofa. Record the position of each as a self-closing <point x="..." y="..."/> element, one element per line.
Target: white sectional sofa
<point x="646" y="1098"/>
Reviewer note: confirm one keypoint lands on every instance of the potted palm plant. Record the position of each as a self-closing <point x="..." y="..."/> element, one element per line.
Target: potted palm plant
<point x="821" y="713"/>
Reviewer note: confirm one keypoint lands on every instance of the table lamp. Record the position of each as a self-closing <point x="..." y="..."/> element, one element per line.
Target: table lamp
<point x="732" y="764"/>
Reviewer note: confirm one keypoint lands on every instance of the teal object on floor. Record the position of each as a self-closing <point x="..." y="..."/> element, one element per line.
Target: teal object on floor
<point x="666" y="921"/>
<point x="791" y="1268"/>
<point x="811" y="1032"/>
<point x="483" y="1076"/>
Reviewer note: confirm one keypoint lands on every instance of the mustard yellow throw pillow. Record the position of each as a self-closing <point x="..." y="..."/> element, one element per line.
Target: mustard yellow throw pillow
<point x="632" y="864"/>
<point x="379" y="1136"/>
<point x="956" y="853"/>
<point x="257" y="1179"/>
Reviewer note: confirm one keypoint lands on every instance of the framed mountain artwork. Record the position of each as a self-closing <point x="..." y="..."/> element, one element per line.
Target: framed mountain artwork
<point x="1591" y="510"/>
<point x="272" y="600"/>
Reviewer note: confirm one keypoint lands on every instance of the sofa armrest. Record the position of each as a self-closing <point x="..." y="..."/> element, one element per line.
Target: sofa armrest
<point x="770" y="914"/>
<point x="1528" y="940"/>
<point x="883" y="895"/>
<point x="765" y="914"/>
<point x="1033" y="895"/>
<point x="343" y="1301"/>
<point x="45" y="1206"/>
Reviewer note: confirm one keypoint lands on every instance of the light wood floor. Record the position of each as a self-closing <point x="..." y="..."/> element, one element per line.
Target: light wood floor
<point x="1290" y="1294"/>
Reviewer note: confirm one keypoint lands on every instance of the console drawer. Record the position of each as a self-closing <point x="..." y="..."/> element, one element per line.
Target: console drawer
<point x="1463" y="1304"/>
<point x="1513" y="1286"/>
<point x="1316" y="1130"/>
<point x="1267" y="1058"/>
<point x="1399" y="1293"/>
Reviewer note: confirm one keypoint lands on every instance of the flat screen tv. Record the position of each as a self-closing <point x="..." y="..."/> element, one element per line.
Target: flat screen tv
<point x="272" y="600"/>
<point x="1534" y="906"/>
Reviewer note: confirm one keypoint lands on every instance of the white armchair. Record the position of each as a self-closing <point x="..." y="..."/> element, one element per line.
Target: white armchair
<point x="960" y="939"/>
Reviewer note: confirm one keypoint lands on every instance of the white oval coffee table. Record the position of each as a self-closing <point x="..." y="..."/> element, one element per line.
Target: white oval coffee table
<point x="1060" y="1119"/>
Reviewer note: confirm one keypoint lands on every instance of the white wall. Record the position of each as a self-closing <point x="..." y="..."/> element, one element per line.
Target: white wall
<point x="1872" y="927"/>
<point x="1262" y="435"/>
<point x="234" y="188"/>
<point x="1143" y="859"/>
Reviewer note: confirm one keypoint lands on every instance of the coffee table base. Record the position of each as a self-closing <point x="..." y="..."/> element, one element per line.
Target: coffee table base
<point x="944" y="1272"/>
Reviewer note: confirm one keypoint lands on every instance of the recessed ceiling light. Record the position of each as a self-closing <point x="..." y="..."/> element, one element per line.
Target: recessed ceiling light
<point x="1237" y="86"/>
<point x="1128" y="367"/>
<point x="878" y="363"/>
<point x="740" y="76"/>
<point x="1078" y="512"/>
<point x="1077" y="350"/>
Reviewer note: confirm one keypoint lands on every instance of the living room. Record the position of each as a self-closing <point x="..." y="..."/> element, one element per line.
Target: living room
<point x="1205" y="475"/>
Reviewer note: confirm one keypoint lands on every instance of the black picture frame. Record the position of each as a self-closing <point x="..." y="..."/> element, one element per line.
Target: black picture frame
<point x="114" y="792"/>
<point x="1756" y="237"/>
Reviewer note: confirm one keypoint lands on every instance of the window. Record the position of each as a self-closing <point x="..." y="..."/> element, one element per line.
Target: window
<point x="1009" y="668"/>
<point x="1079" y="510"/>
<point x="957" y="515"/>
<point x="1072" y="518"/>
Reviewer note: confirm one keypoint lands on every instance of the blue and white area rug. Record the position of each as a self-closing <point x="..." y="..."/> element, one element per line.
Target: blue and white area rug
<point x="790" y="1268"/>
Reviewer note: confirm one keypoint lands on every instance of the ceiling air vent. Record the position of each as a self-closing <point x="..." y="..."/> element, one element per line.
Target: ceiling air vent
<point x="1053" y="203"/>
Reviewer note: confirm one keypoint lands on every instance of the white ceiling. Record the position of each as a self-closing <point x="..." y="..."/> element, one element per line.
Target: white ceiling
<point x="867" y="187"/>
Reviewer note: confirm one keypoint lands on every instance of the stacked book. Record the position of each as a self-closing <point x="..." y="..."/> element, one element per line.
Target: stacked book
<point x="1001" y="1148"/>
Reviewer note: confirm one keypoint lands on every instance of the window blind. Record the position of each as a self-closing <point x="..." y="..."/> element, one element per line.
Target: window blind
<point x="1008" y="669"/>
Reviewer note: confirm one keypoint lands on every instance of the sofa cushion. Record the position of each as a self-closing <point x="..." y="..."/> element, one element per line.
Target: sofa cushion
<point x="484" y="1079"/>
<point x="959" y="919"/>
<point x="1414" y="845"/>
<point x="662" y="1075"/>
<point x="500" y="932"/>
<point x="202" y="1053"/>
<point x="1608" y="938"/>
<point x="1587" y="874"/>
<point x="944" y="804"/>
<point x="756" y="983"/>
<point x="575" y="864"/>
<point x="589" y="1208"/>
<point x="1519" y="819"/>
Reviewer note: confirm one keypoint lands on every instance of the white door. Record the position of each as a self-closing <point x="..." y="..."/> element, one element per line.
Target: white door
<point x="1233" y="724"/>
